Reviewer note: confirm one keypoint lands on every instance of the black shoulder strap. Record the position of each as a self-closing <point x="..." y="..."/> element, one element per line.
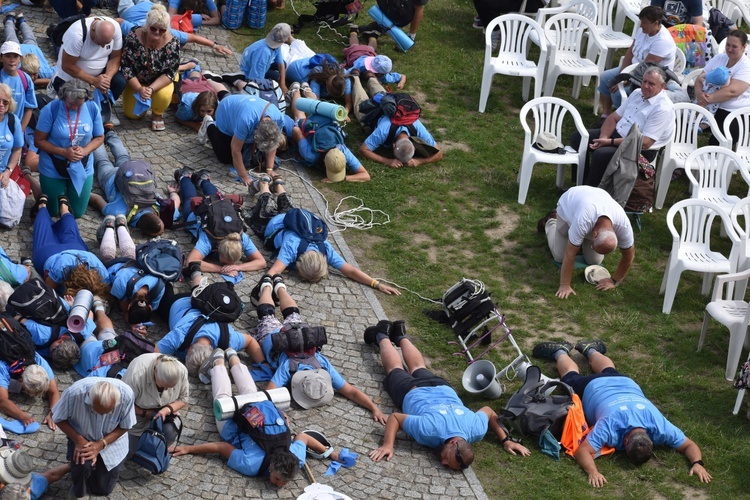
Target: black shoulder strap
<point x="11" y="123"/>
<point x="392" y="132"/>
<point x="197" y="324"/>
<point x="83" y="29"/>
<point x="223" y="336"/>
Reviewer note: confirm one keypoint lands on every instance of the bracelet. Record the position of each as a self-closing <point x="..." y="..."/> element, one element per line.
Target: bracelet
<point x="612" y="141"/>
<point x="698" y="462"/>
<point x="171" y="410"/>
<point x="374" y="284"/>
<point x="617" y="283"/>
<point x="505" y="440"/>
<point x="103" y="441"/>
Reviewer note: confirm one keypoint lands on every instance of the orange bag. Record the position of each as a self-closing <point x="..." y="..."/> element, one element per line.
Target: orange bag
<point x="576" y="428"/>
<point x="183" y="22"/>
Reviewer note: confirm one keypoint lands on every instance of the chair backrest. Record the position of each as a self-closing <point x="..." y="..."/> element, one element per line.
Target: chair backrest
<point x="689" y="79"/>
<point x="513" y="35"/>
<point x="741" y="209"/>
<point x="696" y="219"/>
<point x="742" y="117"/>
<point x="605" y="12"/>
<point x="569" y="31"/>
<point x="688" y="118"/>
<point x="585" y="8"/>
<point x="548" y="115"/>
<point x="714" y="166"/>
<point x="727" y="7"/>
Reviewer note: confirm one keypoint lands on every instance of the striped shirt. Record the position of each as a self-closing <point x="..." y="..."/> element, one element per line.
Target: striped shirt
<point x="75" y="407"/>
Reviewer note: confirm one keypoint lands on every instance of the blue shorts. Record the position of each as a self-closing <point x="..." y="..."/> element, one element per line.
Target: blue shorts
<point x="579" y="382"/>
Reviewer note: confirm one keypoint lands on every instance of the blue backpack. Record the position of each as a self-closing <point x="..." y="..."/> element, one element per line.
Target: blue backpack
<point x="266" y="426"/>
<point x="153" y="450"/>
<point x="323" y="133"/>
<point x="160" y="258"/>
<point x="309" y="227"/>
<point x="321" y="60"/>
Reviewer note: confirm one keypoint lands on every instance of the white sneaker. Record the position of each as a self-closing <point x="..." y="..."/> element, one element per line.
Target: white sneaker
<point x="113" y="119"/>
<point x="203" y="131"/>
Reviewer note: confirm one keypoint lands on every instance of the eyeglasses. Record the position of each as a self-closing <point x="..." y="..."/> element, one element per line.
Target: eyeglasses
<point x="154" y="29"/>
<point x="460" y="459"/>
<point x="5" y="102"/>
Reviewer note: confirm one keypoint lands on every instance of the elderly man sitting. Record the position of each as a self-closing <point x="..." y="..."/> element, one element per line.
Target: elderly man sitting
<point x="648" y="107"/>
<point x="588" y="219"/>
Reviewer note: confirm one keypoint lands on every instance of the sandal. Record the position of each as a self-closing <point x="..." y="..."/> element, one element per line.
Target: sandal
<point x="278" y="180"/>
<point x="158" y="125"/>
<point x="35" y="209"/>
<point x="63" y="200"/>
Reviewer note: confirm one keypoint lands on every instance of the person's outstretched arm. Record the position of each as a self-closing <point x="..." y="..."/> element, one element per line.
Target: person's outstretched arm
<point x="394" y="424"/>
<point x="693" y="454"/>
<point x="222" y="448"/>
<point x="353" y="394"/>
<point x="585" y="458"/>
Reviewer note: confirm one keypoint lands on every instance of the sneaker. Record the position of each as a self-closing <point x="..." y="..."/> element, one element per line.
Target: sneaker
<point x="397" y="332"/>
<point x="372" y="30"/>
<point x="295" y="86"/>
<point x="113" y="119"/>
<point x="305" y="88"/>
<point x="108" y="222"/>
<point x="213" y="76"/>
<point x="11" y="18"/>
<point x="547" y="350"/>
<point x="231" y="78"/>
<point x="278" y="283"/>
<point x="371" y="332"/>
<point x="205" y="372"/>
<point x="477" y="24"/>
<point x="255" y="293"/>
<point x="190" y="269"/>
<point x="495" y="37"/>
<point x="180" y="173"/>
<point x="595" y="344"/>
<point x="121" y="220"/>
<point x="552" y="214"/>
<point x="203" y="131"/>
<point x="25" y="261"/>
<point x="353" y="28"/>
<point x="228" y="353"/>
<point x="19" y="19"/>
<point x="200" y="176"/>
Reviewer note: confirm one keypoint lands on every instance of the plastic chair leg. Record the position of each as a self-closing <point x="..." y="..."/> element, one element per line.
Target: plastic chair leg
<point x="524" y="179"/>
<point x="662" y="185"/>
<point x="736" y="341"/>
<point x="708" y="279"/>
<point x="704" y="330"/>
<point x="484" y="93"/>
<point x="738" y="402"/>
<point x="673" y="280"/>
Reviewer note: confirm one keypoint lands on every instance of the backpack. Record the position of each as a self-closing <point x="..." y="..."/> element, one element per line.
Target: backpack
<point x="42" y="99"/>
<point x="297" y="338"/>
<point x="218" y="301"/>
<point x="534" y="408"/>
<point x="407" y="109"/>
<point x="266" y="426"/>
<point x="400" y="12"/>
<point x="197" y="325"/>
<point x="160" y="258"/>
<point x="218" y="217"/>
<point x="136" y="181"/>
<point x="17" y="348"/>
<point x="38" y="301"/>
<point x="719" y="24"/>
<point x="322" y="60"/>
<point x="55" y="32"/>
<point x="308" y="226"/>
<point x="268" y="90"/>
<point x="183" y="22"/>
<point x="323" y="133"/>
<point x="466" y="304"/>
<point x="153" y="450"/>
<point x="129" y="345"/>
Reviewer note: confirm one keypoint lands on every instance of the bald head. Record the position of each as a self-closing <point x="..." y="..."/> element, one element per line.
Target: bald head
<point x="605" y="239"/>
<point x="103" y="32"/>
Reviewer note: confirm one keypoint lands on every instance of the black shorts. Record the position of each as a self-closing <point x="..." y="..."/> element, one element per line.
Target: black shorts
<point x="579" y="382"/>
<point x="419" y="2"/>
<point x="398" y="383"/>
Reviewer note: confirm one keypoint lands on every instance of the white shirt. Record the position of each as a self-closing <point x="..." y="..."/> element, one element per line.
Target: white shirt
<point x="92" y="58"/>
<point x="661" y="45"/>
<point x="581" y="206"/>
<point x="654" y="117"/>
<point x="740" y="71"/>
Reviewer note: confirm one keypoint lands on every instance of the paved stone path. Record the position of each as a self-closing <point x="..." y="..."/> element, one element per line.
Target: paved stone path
<point x="345" y="308"/>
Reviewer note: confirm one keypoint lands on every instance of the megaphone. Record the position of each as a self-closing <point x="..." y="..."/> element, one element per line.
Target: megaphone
<point x="479" y="378"/>
<point x="224" y="408"/>
<point x="402" y="39"/>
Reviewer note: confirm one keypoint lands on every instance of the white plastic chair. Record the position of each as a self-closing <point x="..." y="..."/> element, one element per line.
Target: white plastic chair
<point x="734" y="314"/>
<point x="729" y="8"/>
<point x="611" y="38"/>
<point x="688" y="118"/>
<point x="549" y="115"/>
<point x="710" y="170"/>
<point x="565" y="56"/>
<point x="691" y="246"/>
<point x="585" y="8"/>
<point x="741" y="210"/>
<point x="689" y="79"/>
<point x="628" y="9"/>
<point x="680" y="63"/>
<point x="512" y="55"/>
<point x="742" y="148"/>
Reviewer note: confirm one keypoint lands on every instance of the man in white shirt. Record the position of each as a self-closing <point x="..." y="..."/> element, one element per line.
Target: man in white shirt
<point x="648" y="107"/>
<point x="588" y="220"/>
<point x="93" y="58"/>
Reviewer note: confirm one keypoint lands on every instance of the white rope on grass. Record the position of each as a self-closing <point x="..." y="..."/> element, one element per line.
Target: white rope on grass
<point x="389" y="282"/>
<point x="322" y="25"/>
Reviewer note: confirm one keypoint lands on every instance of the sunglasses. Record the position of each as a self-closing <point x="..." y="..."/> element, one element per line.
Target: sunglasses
<point x="5" y="102"/>
<point x="154" y="29"/>
<point x="460" y="460"/>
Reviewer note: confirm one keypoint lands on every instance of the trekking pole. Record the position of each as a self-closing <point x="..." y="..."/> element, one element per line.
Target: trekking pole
<point x="309" y="473"/>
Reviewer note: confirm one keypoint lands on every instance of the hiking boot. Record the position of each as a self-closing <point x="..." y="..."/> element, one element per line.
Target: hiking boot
<point x="371" y="332"/>
<point x="397" y="332"/>
<point x="205" y="372"/>
<point x="547" y="350"/>
<point x="294" y="87"/>
<point x="180" y="173"/>
<point x="552" y="214"/>
<point x="203" y="131"/>
<point x="109" y="221"/>
<point x="231" y="78"/>
<point x="200" y="176"/>
<point x="594" y="344"/>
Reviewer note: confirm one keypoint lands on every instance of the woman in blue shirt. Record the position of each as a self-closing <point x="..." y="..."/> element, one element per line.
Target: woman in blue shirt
<point x="327" y="80"/>
<point x="68" y="131"/>
<point x="11" y="138"/>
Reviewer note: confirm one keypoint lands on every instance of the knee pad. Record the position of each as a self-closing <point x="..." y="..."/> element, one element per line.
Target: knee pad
<point x="289" y="311"/>
<point x="265" y="310"/>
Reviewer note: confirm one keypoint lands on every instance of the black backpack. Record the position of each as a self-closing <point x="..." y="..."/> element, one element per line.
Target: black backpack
<point x="308" y="226"/>
<point x="38" y="301"/>
<point x="534" y="408"/>
<point x="129" y="346"/>
<point x="719" y="24"/>
<point x="42" y="99"/>
<point x="55" y="32"/>
<point x="400" y="12"/>
<point x="266" y="426"/>
<point x="466" y="304"/>
<point x="17" y="347"/>
<point x="218" y="217"/>
<point x="218" y="301"/>
<point x="197" y="325"/>
<point x="297" y="338"/>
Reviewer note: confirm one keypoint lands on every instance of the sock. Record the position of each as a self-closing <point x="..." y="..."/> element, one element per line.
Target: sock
<point x="412" y="36"/>
<point x="589" y="351"/>
<point x="559" y="353"/>
<point x="108" y="247"/>
<point x="380" y="336"/>
<point x="127" y="247"/>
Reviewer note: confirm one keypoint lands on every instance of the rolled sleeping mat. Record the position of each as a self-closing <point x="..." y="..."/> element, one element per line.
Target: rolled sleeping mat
<point x="224" y="408"/>
<point x="327" y="109"/>
<point x="79" y="312"/>
<point x="398" y="35"/>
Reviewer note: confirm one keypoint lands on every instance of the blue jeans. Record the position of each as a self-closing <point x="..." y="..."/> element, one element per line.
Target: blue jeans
<point x="54" y="237"/>
<point x="188" y="190"/>
<point x="604" y="80"/>
<point x="105" y="169"/>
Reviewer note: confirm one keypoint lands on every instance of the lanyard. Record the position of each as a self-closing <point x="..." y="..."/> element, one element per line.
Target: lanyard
<point x="72" y="131"/>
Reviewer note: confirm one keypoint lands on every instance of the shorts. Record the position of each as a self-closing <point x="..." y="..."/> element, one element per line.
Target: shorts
<point x="579" y="382"/>
<point x="419" y="2"/>
<point x="270" y="324"/>
<point x="398" y="383"/>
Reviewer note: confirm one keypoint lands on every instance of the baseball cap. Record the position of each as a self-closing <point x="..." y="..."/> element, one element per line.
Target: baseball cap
<point x="335" y="162"/>
<point x="10" y="48"/>
<point x="278" y="35"/>
<point x="379" y="64"/>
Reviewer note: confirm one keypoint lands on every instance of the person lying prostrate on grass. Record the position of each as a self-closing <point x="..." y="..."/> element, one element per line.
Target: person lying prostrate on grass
<point x="620" y="415"/>
<point x="433" y="414"/>
<point x="326" y="81"/>
<point x="360" y="58"/>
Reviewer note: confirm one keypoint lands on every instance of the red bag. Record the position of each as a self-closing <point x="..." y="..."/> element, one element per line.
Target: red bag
<point x="183" y="22"/>
<point x="20" y="180"/>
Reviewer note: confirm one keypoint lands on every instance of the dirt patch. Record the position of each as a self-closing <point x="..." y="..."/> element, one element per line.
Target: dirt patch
<point x="421" y="98"/>
<point x="423" y="241"/>
<point x="507" y="221"/>
<point x="450" y="145"/>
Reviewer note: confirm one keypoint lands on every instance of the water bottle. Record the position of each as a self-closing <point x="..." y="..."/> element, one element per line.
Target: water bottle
<point x="690" y="54"/>
<point x="109" y="344"/>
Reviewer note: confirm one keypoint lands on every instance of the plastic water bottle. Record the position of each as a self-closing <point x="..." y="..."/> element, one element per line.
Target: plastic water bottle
<point x="690" y="54"/>
<point x="256" y="16"/>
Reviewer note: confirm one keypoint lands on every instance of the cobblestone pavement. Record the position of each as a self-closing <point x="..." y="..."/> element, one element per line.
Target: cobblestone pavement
<point x="345" y="308"/>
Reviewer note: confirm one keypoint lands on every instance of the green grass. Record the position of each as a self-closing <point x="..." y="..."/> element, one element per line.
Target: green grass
<point x="460" y="218"/>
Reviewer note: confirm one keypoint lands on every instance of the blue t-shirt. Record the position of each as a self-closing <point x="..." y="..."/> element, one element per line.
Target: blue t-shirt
<point x="322" y="91"/>
<point x="38" y="486"/>
<point x="379" y="136"/>
<point x="210" y="330"/>
<point x="25" y="99"/>
<point x="45" y="70"/>
<point x="5" y="370"/>
<point x="185" y="107"/>
<point x="90" y="364"/>
<point x="238" y="115"/>
<point x="121" y="276"/>
<point x="41" y="334"/>
<point x="258" y="58"/>
<point x="20" y="273"/>
<point x="248" y="456"/>
<point x="128" y="25"/>
<point x="58" y="265"/>
<point x="206" y="245"/>
<point x="9" y="140"/>
<point x="287" y="243"/>
<point x="59" y="124"/>
<point x="179" y="309"/>
<point x="679" y="11"/>
<point x="617" y="405"/>
<point x="436" y="414"/>
<point x="315" y="159"/>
